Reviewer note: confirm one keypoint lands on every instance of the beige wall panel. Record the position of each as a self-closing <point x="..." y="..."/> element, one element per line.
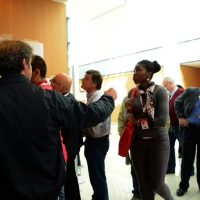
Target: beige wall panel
<point x="190" y="76"/>
<point x="40" y="20"/>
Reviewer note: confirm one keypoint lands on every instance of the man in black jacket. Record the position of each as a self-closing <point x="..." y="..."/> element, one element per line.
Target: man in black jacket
<point x="72" y="138"/>
<point x="187" y="108"/>
<point x="32" y="165"/>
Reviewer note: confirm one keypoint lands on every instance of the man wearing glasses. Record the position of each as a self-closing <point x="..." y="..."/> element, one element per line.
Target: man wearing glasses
<point x="174" y="129"/>
<point x="72" y="138"/>
<point x="62" y="83"/>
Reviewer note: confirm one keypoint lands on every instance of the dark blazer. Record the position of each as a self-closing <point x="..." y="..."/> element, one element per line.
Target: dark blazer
<point x="185" y="102"/>
<point x="31" y="160"/>
<point x="72" y="138"/>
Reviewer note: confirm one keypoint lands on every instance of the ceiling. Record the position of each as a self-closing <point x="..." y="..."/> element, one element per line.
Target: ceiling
<point x="90" y="9"/>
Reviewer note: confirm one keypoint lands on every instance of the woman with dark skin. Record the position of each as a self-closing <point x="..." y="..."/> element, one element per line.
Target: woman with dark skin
<point x="150" y="144"/>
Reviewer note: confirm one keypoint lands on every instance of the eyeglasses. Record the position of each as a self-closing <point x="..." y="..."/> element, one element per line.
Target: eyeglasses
<point x="53" y="79"/>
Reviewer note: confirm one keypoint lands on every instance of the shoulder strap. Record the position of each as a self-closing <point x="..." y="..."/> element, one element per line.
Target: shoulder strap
<point x="133" y="92"/>
<point x="132" y="95"/>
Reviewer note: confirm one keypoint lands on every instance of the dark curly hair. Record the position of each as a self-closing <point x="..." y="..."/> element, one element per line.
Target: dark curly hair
<point x="12" y="53"/>
<point x="150" y="66"/>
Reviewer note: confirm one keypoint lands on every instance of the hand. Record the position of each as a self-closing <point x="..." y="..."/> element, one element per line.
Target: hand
<point x="112" y="92"/>
<point x="129" y="103"/>
<point x="130" y="117"/>
<point x="183" y="122"/>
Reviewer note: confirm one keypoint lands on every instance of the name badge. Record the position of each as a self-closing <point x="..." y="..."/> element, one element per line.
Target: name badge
<point x="144" y="123"/>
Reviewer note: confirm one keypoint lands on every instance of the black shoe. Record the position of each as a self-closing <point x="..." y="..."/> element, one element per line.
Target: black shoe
<point x="170" y="172"/>
<point x="192" y="173"/>
<point x="180" y="192"/>
<point x="180" y="155"/>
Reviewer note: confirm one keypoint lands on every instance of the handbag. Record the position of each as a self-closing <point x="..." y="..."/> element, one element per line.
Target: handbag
<point x="127" y="134"/>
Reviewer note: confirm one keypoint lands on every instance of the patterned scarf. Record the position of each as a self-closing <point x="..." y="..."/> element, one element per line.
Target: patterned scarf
<point x="150" y="100"/>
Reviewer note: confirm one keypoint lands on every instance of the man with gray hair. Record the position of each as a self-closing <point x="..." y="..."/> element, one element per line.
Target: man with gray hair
<point x="32" y="164"/>
<point x="174" y="129"/>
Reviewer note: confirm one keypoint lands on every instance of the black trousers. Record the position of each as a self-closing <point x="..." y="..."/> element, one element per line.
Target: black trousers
<point x="150" y="158"/>
<point x="191" y="144"/>
<point x="71" y="183"/>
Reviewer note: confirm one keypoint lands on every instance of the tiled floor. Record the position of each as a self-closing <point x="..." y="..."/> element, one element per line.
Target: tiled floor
<point x="119" y="177"/>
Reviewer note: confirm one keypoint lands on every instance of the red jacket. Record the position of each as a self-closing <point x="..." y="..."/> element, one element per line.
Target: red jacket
<point x="44" y="84"/>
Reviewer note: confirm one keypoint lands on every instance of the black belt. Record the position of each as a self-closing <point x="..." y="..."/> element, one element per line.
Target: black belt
<point x="194" y="125"/>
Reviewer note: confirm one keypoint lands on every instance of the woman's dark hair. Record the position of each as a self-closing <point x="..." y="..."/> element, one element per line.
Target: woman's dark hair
<point x="150" y="66"/>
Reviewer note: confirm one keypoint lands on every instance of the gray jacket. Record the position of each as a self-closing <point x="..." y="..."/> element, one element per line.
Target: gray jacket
<point x="185" y="102"/>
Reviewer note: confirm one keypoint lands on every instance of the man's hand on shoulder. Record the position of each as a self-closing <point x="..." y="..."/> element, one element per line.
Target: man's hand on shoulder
<point x="112" y="92"/>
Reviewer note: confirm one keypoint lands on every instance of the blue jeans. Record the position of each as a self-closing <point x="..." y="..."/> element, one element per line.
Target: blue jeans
<point x="95" y="153"/>
<point x="174" y="133"/>
<point x="136" y="187"/>
<point x="191" y="139"/>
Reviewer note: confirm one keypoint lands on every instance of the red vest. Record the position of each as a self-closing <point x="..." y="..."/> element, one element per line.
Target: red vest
<point x="173" y="118"/>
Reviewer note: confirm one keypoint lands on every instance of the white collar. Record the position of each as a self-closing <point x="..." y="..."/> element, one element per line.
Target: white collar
<point x="173" y="91"/>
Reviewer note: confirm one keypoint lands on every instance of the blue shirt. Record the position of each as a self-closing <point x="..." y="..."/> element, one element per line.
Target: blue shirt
<point x="194" y="117"/>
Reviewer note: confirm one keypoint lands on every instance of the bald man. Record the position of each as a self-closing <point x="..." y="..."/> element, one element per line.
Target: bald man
<point x="62" y="83"/>
<point x="72" y="139"/>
